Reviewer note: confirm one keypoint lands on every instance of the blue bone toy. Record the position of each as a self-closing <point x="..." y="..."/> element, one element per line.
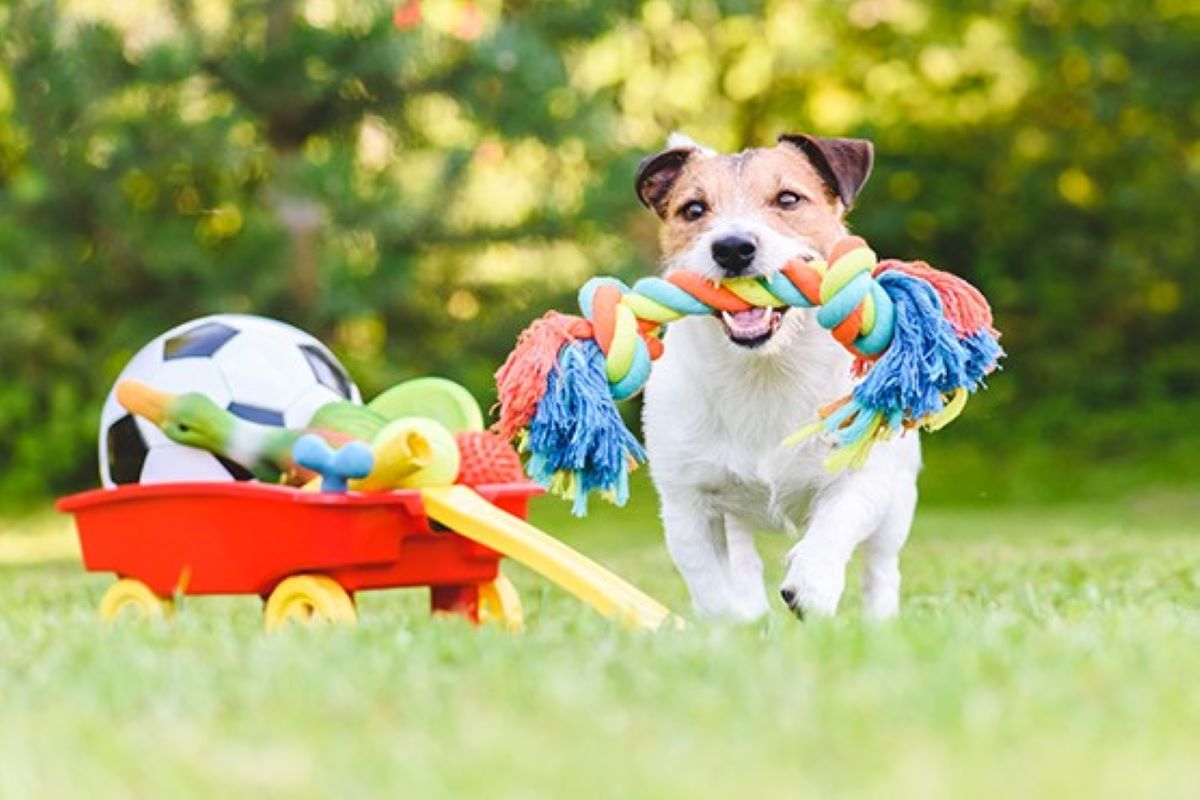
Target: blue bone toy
<point x="336" y="467"/>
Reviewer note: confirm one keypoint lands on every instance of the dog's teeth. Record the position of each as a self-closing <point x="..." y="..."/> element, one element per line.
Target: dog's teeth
<point x="752" y="322"/>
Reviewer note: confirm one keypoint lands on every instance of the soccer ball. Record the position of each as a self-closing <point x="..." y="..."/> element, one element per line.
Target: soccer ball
<point x="259" y="369"/>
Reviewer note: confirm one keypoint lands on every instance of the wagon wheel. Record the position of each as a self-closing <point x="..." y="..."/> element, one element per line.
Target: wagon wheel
<point x="500" y="603"/>
<point x="308" y="598"/>
<point x="136" y="598"/>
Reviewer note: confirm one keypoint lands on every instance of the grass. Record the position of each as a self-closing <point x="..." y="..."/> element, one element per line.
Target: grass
<point x="1044" y="651"/>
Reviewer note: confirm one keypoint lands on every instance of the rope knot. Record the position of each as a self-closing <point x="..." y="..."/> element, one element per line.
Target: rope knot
<point x="621" y="337"/>
<point x="854" y="307"/>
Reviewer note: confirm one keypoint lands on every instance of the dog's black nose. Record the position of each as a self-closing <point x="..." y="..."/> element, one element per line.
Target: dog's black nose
<point x="734" y="254"/>
<point x="788" y="594"/>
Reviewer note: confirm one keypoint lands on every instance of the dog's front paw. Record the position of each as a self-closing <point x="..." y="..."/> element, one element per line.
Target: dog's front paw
<point x="812" y="587"/>
<point x="748" y="612"/>
<point x="727" y="611"/>
<point x="710" y="608"/>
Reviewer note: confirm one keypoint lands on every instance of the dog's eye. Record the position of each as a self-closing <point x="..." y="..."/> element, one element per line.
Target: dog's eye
<point x="786" y="199"/>
<point x="693" y="211"/>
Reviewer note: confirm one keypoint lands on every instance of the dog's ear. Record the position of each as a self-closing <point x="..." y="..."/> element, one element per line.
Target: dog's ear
<point x="658" y="173"/>
<point x="845" y="164"/>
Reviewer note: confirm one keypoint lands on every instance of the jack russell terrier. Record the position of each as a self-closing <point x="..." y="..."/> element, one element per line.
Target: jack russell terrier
<point x="728" y="389"/>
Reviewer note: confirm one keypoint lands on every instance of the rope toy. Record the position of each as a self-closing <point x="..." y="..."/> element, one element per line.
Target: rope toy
<point x="922" y="339"/>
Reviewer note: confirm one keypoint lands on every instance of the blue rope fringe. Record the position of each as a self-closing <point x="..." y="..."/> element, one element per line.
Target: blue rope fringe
<point x="577" y="431"/>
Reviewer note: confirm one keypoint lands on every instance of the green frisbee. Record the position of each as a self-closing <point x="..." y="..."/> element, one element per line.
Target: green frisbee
<point x="433" y="398"/>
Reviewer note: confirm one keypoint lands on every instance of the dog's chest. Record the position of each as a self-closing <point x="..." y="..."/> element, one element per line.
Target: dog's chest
<point x="760" y="480"/>
<point x="719" y="429"/>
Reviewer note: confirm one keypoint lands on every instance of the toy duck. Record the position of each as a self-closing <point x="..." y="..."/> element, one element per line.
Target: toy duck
<point x="407" y="452"/>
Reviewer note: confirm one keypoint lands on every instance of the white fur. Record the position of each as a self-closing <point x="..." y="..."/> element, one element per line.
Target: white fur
<point x="679" y="141"/>
<point x="714" y="417"/>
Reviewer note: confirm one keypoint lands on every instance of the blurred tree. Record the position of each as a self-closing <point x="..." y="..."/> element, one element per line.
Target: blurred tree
<point x="303" y="160"/>
<point x="414" y="180"/>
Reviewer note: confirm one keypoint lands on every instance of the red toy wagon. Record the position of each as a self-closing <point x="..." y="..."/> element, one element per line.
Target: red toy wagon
<point x="305" y="553"/>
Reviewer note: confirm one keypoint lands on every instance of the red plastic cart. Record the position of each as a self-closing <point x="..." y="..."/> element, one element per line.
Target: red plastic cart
<point x="305" y="553"/>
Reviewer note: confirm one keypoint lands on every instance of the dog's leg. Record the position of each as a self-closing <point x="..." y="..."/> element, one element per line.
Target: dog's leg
<point x="881" y="556"/>
<point x="841" y="519"/>
<point x="696" y="541"/>
<point x="745" y="571"/>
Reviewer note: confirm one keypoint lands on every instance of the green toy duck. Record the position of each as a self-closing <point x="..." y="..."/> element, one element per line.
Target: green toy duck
<point x="409" y="452"/>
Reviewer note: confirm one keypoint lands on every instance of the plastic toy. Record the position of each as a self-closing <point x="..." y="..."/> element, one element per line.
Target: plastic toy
<point x="307" y="552"/>
<point x="348" y="418"/>
<point x="406" y="453"/>
<point x="487" y="458"/>
<point x="433" y="398"/>
<point x="440" y="457"/>
<point x="336" y="467"/>
<point x="259" y="370"/>
<point x="922" y="339"/>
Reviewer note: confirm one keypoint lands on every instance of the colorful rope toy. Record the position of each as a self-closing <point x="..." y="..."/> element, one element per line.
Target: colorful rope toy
<point x="922" y="339"/>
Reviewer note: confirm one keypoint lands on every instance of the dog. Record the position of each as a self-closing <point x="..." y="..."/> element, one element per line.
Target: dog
<point x="729" y="388"/>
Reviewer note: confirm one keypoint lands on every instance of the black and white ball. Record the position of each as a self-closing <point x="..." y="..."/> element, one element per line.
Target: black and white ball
<point x="259" y="369"/>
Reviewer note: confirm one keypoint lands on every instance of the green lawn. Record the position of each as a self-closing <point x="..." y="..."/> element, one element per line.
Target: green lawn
<point x="1043" y="651"/>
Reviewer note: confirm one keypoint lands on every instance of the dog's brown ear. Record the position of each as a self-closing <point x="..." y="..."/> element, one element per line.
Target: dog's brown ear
<point x="657" y="174"/>
<point x="845" y="164"/>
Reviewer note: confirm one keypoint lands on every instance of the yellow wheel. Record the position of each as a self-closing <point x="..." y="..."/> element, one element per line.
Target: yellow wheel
<point x="499" y="603"/>
<point x="136" y="599"/>
<point x="308" y="598"/>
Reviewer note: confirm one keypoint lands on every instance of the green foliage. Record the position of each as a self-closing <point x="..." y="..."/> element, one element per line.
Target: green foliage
<point x="414" y="194"/>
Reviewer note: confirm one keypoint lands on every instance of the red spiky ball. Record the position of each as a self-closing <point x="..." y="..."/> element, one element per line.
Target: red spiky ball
<point x="487" y="458"/>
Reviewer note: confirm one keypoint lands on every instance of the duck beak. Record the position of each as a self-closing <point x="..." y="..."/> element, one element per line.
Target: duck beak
<point x="145" y="401"/>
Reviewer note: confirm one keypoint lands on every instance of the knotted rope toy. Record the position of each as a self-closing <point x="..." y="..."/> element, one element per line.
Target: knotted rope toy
<point x="922" y="339"/>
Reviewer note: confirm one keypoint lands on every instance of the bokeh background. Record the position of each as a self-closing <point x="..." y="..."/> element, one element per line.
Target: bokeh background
<point x="414" y="181"/>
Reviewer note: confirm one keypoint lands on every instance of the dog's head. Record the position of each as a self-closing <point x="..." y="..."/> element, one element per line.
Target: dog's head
<point x="751" y="212"/>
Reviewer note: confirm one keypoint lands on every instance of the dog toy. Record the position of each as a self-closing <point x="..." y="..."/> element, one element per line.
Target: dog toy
<point x="410" y="452"/>
<point x="194" y="420"/>
<point x="350" y="419"/>
<point x="487" y="458"/>
<point x="353" y="460"/>
<point x="434" y="398"/>
<point x="922" y="339"/>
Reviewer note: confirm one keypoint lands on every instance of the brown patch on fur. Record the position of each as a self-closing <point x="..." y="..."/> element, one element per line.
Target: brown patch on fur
<point x="750" y="183"/>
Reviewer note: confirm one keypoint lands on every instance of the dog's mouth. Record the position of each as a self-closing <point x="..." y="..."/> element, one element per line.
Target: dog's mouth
<point x="754" y="327"/>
